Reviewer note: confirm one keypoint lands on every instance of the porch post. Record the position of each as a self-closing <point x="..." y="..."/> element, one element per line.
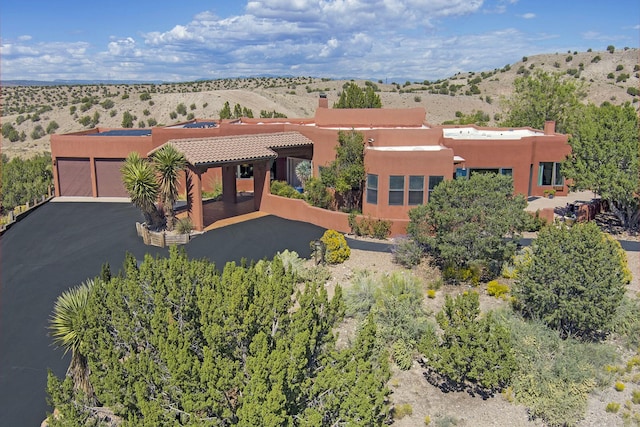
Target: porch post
<point x="229" y="187"/>
<point x="261" y="182"/>
<point x="194" y="197"/>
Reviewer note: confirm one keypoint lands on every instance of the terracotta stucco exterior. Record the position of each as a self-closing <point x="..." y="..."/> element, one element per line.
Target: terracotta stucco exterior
<point x="398" y="143"/>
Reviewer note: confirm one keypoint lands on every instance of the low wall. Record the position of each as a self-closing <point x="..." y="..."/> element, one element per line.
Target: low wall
<point x="299" y="210"/>
<point x="160" y="238"/>
<point x="20" y="212"/>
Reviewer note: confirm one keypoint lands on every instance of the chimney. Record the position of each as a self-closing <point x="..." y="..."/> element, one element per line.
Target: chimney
<point x="323" y="102"/>
<point x="549" y="127"/>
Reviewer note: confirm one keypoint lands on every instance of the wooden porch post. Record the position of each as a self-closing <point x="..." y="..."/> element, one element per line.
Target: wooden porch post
<point x="194" y="197"/>
<point x="229" y="187"/>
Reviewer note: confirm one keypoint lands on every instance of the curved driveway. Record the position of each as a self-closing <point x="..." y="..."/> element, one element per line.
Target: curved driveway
<point x="59" y="245"/>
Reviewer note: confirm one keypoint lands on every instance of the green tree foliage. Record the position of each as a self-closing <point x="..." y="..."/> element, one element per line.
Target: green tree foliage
<point x="540" y="97"/>
<point x="25" y="179"/>
<point x="317" y="194"/>
<point x="346" y="173"/>
<point x="604" y="157"/>
<point x="471" y="222"/>
<point x="168" y="163"/>
<point x="473" y="350"/>
<point x="181" y="109"/>
<point x="353" y="96"/>
<point x="225" y="112"/>
<point x="574" y="282"/>
<point x="127" y="120"/>
<point x="175" y="342"/>
<point x="52" y="127"/>
<point x="9" y="132"/>
<point x="479" y="118"/>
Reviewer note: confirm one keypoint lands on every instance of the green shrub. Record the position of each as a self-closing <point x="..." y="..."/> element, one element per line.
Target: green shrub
<point x="360" y="297"/>
<point x="291" y="261"/>
<point x="633" y="91"/>
<point x="619" y="386"/>
<point x="596" y="59"/>
<point x="402" y="410"/>
<point x="317" y="194"/>
<point x="497" y="289"/>
<point x="456" y="275"/>
<point x="613" y="407"/>
<point x="402" y="354"/>
<point x="635" y="397"/>
<point x="473" y="351"/>
<point x="431" y="293"/>
<point x="184" y="226"/>
<point x="281" y="188"/>
<point x="406" y="252"/>
<point x="336" y="249"/>
<point x="145" y="96"/>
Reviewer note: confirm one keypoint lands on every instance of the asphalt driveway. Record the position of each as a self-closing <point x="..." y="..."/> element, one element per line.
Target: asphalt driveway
<point x="59" y="245"/>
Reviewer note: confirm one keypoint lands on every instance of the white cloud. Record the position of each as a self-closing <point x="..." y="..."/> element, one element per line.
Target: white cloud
<point x="24" y="38"/>
<point x="529" y="15"/>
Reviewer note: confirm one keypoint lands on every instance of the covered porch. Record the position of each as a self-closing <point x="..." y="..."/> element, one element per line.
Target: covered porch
<point x="260" y="151"/>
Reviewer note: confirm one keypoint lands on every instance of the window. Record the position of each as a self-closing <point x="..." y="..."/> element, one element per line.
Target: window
<point x="506" y="171"/>
<point x="396" y="190"/>
<point x="245" y="171"/>
<point x="416" y="190"/>
<point x="549" y="174"/>
<point x="433" y="182"/>
<point x="372" y="189"/>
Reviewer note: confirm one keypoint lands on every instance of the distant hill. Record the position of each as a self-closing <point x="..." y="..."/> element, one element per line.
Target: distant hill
<point x="75" y="105"/>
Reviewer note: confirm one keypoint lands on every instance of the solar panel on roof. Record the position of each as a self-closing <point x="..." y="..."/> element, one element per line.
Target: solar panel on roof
<point x="200" y="125"/>
<point x="123" y="132"/>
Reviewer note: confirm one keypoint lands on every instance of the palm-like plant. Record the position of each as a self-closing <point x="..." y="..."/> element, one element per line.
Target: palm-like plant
<point x="65" y="326"/>
<point x="168" y="162"/>
<point x="139" y="180"/>
<point x="303" y="171"/>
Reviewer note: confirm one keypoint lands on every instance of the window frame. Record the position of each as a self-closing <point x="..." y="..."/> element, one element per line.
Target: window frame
<point x="415" y="191"/>
<point x="394" y="191"/>
<point x="555" y="179"/>
<point x="372" y="191"/>
<point x="432" y="187"/>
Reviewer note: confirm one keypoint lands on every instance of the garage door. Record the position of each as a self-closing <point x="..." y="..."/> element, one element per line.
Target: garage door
<point x="109" y="178"/>
<point x="75" y="177"/>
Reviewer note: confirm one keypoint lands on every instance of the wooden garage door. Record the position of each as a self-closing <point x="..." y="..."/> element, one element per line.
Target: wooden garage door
<point x="75" y="177"/>
<point x="109" y="178"/>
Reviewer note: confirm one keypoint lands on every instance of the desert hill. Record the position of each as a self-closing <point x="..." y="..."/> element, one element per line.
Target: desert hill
<point x="35" y="111"/>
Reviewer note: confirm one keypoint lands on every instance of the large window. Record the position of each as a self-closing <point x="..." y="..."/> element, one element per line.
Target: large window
<point x="433" y="182"/>
<point x="416" y="190"/>
<point x="396" y="190"/>
<point x="372" y="189"/>
<point x="549" y="174"/>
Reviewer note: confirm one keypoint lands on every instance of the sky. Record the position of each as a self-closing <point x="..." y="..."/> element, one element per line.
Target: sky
<point x="186" y="40"/>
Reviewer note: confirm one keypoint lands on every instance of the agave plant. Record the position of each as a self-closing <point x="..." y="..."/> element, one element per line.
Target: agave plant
<point x="139" y="180"/>
<point x="168" y="162"/>
<point x="66" y="327"/>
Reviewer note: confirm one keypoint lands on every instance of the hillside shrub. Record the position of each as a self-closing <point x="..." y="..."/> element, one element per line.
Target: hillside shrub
<point x="596" y="59"/>
<point x="497" y="289"/>
<point x="406" y="252"/>
<point x="574" y="282"/>
<point x="337" y="250"/>
<point x="317" y="194"/>
<point x="554" y="376"/>
<point x="633" y="91"/>
<point x="473" y="351"/>
<point x="612" y="407"/>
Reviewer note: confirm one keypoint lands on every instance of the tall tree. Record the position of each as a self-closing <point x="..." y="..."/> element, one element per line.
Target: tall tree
<point x="139" y="178"/>
<point x="471" y="221"/>
<point x="346" y="173"/>
<point x="604" y="157"/>
<point x="540" y="97"/>
<point x="168" y="163"/>
<point x="353" y="96"/>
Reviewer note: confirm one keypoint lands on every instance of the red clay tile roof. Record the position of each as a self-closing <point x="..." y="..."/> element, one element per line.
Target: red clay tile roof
<point x="237" y="148"/>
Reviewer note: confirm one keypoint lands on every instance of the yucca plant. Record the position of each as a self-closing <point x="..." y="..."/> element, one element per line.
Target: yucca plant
<point x="65" y="328"/>
<point x="168" y="162"/>
<point x="139" y="180"/>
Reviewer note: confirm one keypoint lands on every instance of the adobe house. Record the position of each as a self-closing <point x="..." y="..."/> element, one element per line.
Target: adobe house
<point x="405" y="158"/>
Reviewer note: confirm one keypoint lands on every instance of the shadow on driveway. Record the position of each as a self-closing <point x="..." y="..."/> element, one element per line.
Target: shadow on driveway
<point x="62" y="244"/>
